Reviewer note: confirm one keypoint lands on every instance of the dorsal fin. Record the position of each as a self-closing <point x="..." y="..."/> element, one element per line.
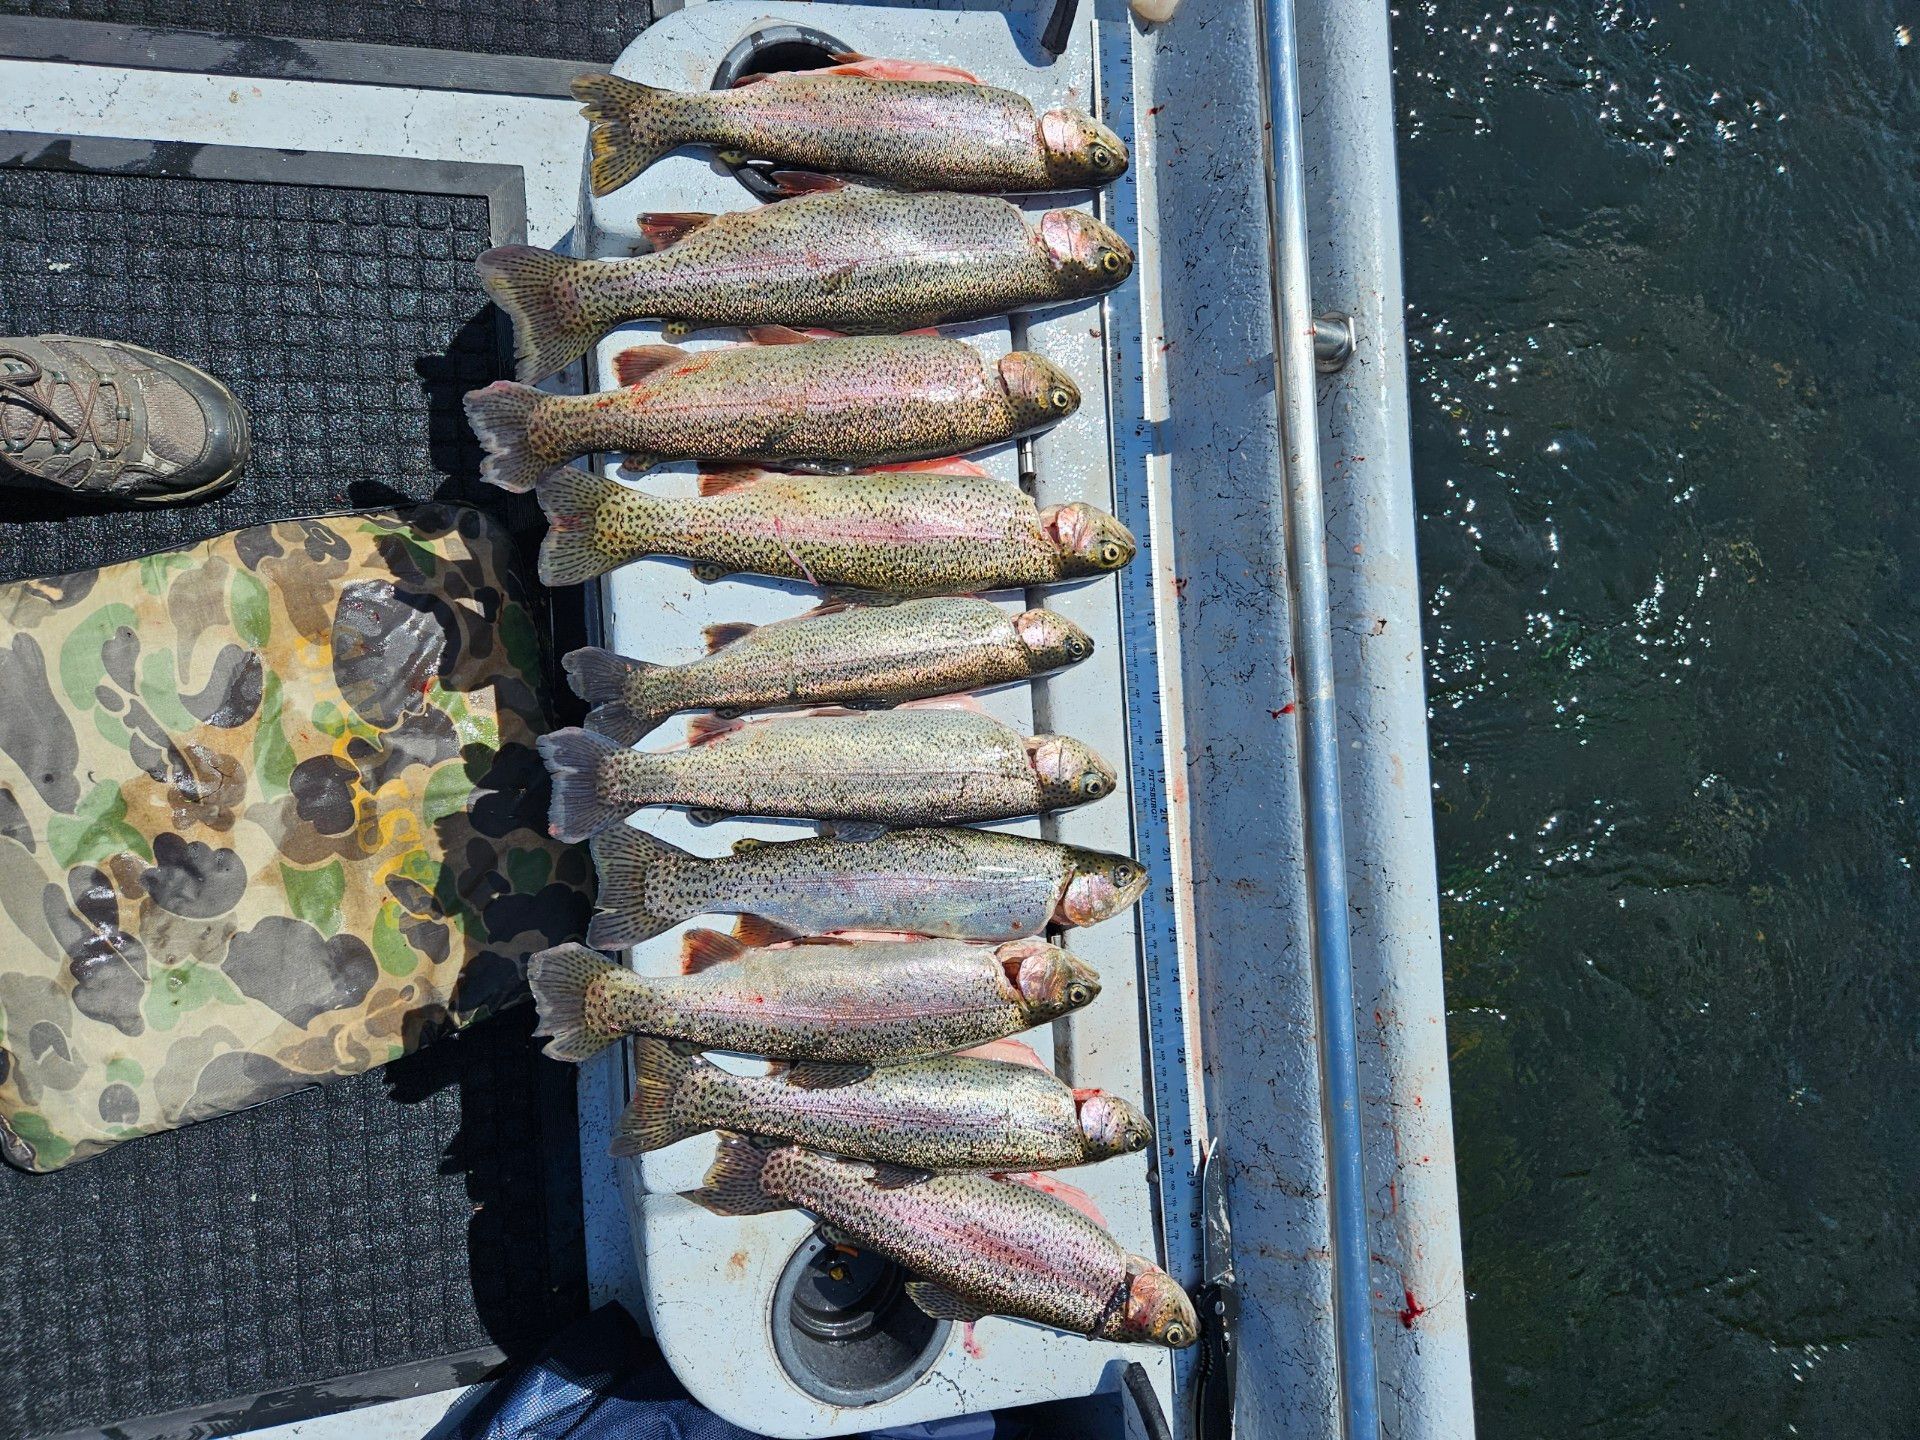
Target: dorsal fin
<point x="703" y="949"/>
<point x="728" y="478"/>
<point x="852" y="62"/>
<point x="805" y="182"/>
<point x="750" y="842"/>
<point x="950" y="465"/>
<point x="633" y="365"/>
<point x="718" y="637"/>
<point x="756" y="932"/>
<point x="784" y="335"/>
<point x="705" y="729"/>
<point x="665" y="228"/>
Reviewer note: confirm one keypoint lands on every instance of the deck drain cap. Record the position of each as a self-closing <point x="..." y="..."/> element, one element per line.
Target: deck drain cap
<point x="844" y="1328"/>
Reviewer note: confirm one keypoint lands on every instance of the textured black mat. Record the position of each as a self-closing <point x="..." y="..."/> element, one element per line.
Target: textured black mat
<point x="421" y="1211"/>
<point x="595" y="31"/>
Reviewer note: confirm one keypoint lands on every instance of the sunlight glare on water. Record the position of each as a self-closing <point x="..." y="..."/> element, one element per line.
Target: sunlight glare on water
<point x="1664" y="360"/>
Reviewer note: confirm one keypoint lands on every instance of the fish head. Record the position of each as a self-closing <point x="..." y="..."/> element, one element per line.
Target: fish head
<point x="1157" y="1308"/>
<point x="1111" y="1126"/>
<point x="1088" y="539"/>
<point x="1080" y="151"/>
<point x="1051" y="982"/>
<point x="1038" y="391"/>
<point x="1070" y="773"/>
<point x="1101" y="886"/>
<point x="1086" y="254"/>
<point x="1052" y="640"/>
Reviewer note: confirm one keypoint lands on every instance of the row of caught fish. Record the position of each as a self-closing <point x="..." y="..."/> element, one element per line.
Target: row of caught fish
<point x="873" y="1117"/>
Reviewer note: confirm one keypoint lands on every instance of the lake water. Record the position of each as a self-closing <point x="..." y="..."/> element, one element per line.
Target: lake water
<point x="1661" y="265"/>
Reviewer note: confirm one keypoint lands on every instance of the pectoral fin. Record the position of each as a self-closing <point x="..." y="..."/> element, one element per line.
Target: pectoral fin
<point x="821" y="1075"/>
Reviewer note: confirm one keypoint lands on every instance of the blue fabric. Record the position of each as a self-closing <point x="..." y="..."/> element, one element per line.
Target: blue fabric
<point x="600" y="1379"/>
<point x="603" y="1379"/>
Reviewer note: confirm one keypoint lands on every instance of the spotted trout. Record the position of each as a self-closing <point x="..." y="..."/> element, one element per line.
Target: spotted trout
<point x="931" y="766"/>
<point x="865" y="656"/>
<point x="979" y="1245"/>
<point x="960" y="883"/>
<point x="868" y="1003"/>
<point x="820" y="404"/>
<point x="912" y="125"/>
<point x="950" y="1112"/>
<point x="858" y="261"/>
<point x="894" y="532"/>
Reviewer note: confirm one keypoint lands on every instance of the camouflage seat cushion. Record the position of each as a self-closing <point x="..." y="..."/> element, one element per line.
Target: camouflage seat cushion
<point x="270" y="813"/>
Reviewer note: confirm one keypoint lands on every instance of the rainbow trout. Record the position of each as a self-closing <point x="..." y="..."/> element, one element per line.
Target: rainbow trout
<point x="877" y="118"/>
<point x="894" y="532"/>
<point x="981" y="1246"/>
<point x="820" y="404"/>
<point x="866" y="656"/>
<point x="950" y="1112"/>
<point x="868" y="1003"/>
<point x="931" y="766"/>
<point x="851" y="260"/>
<point x="959" y="883"/>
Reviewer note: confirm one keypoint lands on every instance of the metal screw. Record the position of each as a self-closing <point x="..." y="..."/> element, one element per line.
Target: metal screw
<point x="1334" y="337"/>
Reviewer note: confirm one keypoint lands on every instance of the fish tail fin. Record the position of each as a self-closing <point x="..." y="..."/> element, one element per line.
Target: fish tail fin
<point x="549" y="331"/>
<point x="499" y="415"/>
<point x="733" y="1184"/>
<point x="633" y="126"/>
<point x="573" y="550"/>
<point x="632" y="866"/>
<point x="576" y="759"/>
<point x="608" y="682"/>
<point x="562" y="980"/>
<point x="660" y="1072"/>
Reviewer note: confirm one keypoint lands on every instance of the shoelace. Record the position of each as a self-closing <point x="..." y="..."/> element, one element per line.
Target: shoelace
<point x="18" y="386"/>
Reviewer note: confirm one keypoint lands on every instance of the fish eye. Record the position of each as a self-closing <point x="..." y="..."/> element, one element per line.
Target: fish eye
<point x="1110" y="262"/>
<point x="1136" y="1140"/>
<point x="1100" y="156"/>
<point x="1093" y="783"/>
<point x="1077" y="994"/>
<point x="1059" y="399"/>
<point x="1077" y="647"/>
<point x="1123" y="875"/>
<point x="1110" y="553"/>
<point x="1176" y="1334"/>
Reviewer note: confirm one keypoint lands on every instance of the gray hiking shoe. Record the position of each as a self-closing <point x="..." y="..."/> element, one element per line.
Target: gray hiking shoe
<point x="114" y="422"/>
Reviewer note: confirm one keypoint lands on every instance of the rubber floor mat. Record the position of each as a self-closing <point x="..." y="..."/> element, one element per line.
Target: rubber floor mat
<point x="422" y="1211"/>
<point x="595" y="31"/>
